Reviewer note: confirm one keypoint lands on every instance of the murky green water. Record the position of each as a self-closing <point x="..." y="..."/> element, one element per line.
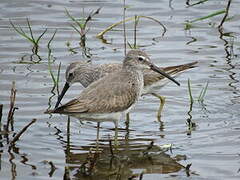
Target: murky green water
<point x="49" y="150"/>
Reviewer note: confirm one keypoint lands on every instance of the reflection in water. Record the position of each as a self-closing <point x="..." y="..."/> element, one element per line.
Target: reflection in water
<point x="110" y="163"/>
<point x="228" y="45"/>
<point x="122" y="163"/>
<point x="229" y="50"/>
<point x="50" y="99"/>
<point x="53" y="168"/>
<point x="161" y="128"/>
<point x="67" y="147"/>
<point x="30" y="59"/>
<point x="229" y="56"/>
<point x="191" y="41"/>
<point x="170" y="4"/>
<point x="12" y="159"/>
<point x="13" y="165"/>
<point x="190" y="123"/>
<point x="25" y="160"/>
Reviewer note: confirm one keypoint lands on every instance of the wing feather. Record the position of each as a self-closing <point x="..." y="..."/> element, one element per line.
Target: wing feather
<point x="112" y="93"/>
<point x="151" y="77"/>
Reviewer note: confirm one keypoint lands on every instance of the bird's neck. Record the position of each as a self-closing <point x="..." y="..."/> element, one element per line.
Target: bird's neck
<point x="134" y="73"/>
<point x="129" y="66"/>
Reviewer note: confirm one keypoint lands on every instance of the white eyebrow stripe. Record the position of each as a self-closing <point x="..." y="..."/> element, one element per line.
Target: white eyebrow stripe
<point x="142" y="57"/>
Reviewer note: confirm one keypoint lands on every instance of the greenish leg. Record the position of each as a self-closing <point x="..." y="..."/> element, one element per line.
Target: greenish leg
<point x="127" y="120"/>
<point x="127" y="127"/>
<point x="116" y="135"/>
<point x="97" y="145"/>
<point x="162" y="102"/>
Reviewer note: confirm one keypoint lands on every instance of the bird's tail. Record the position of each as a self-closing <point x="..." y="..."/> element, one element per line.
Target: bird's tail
<point x="179" y="68"/>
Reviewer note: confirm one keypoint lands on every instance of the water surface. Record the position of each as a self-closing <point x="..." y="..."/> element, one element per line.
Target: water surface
<point x="212" y="147"/>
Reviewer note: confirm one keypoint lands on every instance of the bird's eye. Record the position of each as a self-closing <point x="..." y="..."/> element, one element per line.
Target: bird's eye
<point x="140" y="58"/>
<point x="70" y="74"/>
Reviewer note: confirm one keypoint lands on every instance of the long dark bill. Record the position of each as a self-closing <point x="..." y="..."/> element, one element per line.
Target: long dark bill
<point x="65" y="88"/>
<point x="157" y="69"/>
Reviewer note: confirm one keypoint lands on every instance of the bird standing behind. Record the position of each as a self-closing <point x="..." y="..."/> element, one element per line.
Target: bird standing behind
<point x="85" y="72"/>
<point x="114" y="94"/>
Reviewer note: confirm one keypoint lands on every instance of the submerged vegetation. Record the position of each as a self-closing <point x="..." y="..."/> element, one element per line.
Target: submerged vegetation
<point x="8" y="128"/>
<point x="80" y="26"/>
<point x="189" y="24"/>
<point x="100" y="35"/>
<point x="191" y="124"/>
<point x="50" y="61"/>
<point x="30" y="37"/>
<point x="201" y="95"/>
<point x="134" y="46"/>
<point x="55" y="78"/>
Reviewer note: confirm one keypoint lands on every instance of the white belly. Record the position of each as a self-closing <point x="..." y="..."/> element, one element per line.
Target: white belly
<point x="98" y="117"/>
<point x="155" y="87"/>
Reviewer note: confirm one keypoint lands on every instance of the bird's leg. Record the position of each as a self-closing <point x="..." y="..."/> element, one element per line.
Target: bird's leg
<point x="162" y="102"/>
<point x="127" y="126"/>
<point x="97" y="145"/>
<point x="127" y="120"/>
<point x="116" y="134"/>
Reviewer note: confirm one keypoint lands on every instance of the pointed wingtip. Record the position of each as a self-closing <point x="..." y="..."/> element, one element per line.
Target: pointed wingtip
<point x="59" y="110"/>
<point x="49" y="111"/>
<point x="194" y="63"/>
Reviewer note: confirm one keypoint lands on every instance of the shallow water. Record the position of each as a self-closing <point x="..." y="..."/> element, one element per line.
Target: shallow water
<point x="212" y="147"/>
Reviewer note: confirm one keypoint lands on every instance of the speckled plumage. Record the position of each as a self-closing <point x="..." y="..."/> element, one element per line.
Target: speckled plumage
<point x="86" y="72"/>
<point x="113" y="93"/>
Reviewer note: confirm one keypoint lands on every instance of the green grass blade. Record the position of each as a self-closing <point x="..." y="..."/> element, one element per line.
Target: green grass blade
<point x="73" y="19"/>
<point x="90" y="16"/>
<point x="203" y="93"/>
<point x="49" y="59"/>
<point x="20" y="31"/>
<point x="76" y="29"/>
<point x="30" y="30"/>
<point x="209" y="16"/>
<point x="100" y="35"/>
<point x="38" y="39"/>
<point x="50" y="71"/>
<point x="49" y="42"/>
<point x="190" y="91"/>
<point x="129" y="45"/>
<point x="205" y="90"/>
<point x="68" y="14"/>
<point x="199" y="2"/>
<point x="200" y="95"/>
<point x="135" y="30"/>
<point x="58" y="75"/>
